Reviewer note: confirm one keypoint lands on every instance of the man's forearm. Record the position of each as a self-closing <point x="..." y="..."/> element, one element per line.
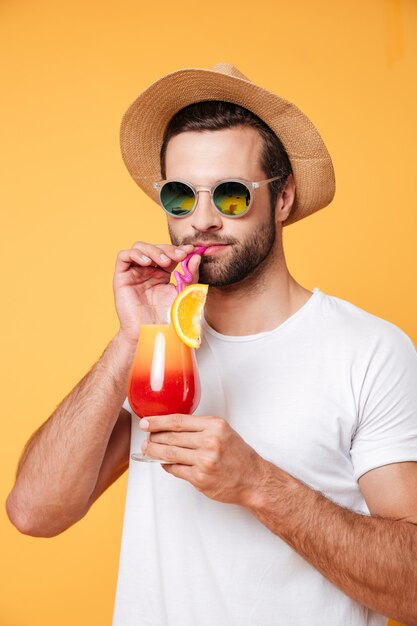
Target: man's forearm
<point x="373" y="560"/>
<point x="60" y="465"/>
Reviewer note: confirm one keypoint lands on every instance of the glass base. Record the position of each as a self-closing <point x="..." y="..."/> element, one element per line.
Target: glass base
<point x="139" y="456"/>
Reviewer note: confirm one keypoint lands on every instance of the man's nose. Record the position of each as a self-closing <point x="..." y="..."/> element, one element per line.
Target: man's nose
<point x="205" y="215"/>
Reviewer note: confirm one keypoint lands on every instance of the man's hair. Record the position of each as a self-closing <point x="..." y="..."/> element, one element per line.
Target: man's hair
<point x="217" y="115"/>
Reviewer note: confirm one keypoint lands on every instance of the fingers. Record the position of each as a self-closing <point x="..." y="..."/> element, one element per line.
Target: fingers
<point x="175" y="422"/>
<point x="183" y="440"/>
<point x="170" y="454"/>
<point x="179" y="471"/>
<point x="164" y="256"/>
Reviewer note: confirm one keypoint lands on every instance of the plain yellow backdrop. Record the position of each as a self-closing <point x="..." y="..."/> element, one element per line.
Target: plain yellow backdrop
<point x="68" y="205"/>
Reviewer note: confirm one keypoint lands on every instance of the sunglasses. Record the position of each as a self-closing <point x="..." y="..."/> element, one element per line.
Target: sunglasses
<point x="231" y="197"/>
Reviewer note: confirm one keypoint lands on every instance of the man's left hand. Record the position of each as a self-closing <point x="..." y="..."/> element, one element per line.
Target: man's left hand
<point x="206" y="452"/>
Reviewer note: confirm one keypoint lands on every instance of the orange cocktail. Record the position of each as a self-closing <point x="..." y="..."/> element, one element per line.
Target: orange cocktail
<point x="164" y="377"/>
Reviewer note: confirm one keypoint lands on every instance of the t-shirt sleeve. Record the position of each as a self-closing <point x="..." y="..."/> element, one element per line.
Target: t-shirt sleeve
<point x="127" y="406"/>
<point x="387" y="408"/>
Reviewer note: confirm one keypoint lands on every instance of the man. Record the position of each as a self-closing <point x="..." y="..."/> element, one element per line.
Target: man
<point x="308" y="416"/>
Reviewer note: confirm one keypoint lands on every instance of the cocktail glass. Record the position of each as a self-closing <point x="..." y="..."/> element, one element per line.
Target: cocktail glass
<point x="164" y="377"/>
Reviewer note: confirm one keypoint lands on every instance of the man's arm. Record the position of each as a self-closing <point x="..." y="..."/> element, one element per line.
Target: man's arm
<point x="84" y="446"/>
<point x="78" y="452"/>
<point x="371" y="559"/>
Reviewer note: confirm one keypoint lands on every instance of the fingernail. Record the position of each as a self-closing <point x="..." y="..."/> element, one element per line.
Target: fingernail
<point x="163" y="257"/>
<point x="179" y="252"/>
<point x="145" y="258"/>
<point x="144" y="424"/>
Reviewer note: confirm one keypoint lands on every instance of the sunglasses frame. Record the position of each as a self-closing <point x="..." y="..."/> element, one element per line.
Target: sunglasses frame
<point x="250" y="185"/>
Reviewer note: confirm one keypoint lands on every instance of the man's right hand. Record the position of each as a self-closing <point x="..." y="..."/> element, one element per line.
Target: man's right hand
<point x="142" y="276"/>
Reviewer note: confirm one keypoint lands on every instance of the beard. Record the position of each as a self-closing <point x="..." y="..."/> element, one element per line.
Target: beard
<point x="244" y="257"/>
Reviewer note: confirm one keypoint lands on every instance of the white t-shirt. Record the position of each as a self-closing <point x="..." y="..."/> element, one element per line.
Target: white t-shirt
<point x="328" y="395"/>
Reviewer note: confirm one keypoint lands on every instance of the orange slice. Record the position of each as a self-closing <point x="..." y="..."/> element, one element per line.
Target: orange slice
<point x="186" y="312"/>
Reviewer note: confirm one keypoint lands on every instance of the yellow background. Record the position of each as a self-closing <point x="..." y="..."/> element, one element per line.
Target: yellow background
<point x="70" y="69"/>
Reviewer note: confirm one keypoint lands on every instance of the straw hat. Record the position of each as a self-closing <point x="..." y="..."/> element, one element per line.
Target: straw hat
<point x="144" y="123"/>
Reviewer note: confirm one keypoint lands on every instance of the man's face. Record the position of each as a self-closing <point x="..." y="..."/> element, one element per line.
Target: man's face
<point x="239" y="245"/>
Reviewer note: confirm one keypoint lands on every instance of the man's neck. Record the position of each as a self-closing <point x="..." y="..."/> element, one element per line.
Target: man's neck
<point x="260" y="303"/>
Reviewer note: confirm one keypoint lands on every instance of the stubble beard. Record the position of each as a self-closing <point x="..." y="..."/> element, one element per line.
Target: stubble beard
<point x="243" y="258"/>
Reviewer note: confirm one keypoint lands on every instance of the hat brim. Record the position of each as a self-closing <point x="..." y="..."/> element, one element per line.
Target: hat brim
<point x="143" y="126"/>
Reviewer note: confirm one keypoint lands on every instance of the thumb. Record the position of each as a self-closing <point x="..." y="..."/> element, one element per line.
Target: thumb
<point x="193" y="266"/>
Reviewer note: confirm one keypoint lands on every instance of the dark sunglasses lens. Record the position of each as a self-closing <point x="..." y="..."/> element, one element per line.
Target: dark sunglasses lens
<point x="177" y="198"/>
<point x="232" y="198"/>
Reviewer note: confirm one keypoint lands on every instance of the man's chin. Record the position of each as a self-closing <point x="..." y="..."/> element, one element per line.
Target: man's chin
<point x="214" y="279"/>
<point x="212" y="273"/>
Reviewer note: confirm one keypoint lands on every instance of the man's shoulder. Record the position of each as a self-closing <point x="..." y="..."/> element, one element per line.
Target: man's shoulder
<point x="357" y="324"/>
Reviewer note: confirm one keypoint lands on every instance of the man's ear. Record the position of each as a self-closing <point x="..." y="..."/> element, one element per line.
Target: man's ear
<point x="285" y="200"/>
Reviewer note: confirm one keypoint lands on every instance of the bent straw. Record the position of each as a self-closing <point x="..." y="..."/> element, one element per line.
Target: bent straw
<point x="187" y="277"/>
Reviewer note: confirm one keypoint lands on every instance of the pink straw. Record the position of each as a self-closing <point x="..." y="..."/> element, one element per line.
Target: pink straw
<point x="187" y="277"/>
